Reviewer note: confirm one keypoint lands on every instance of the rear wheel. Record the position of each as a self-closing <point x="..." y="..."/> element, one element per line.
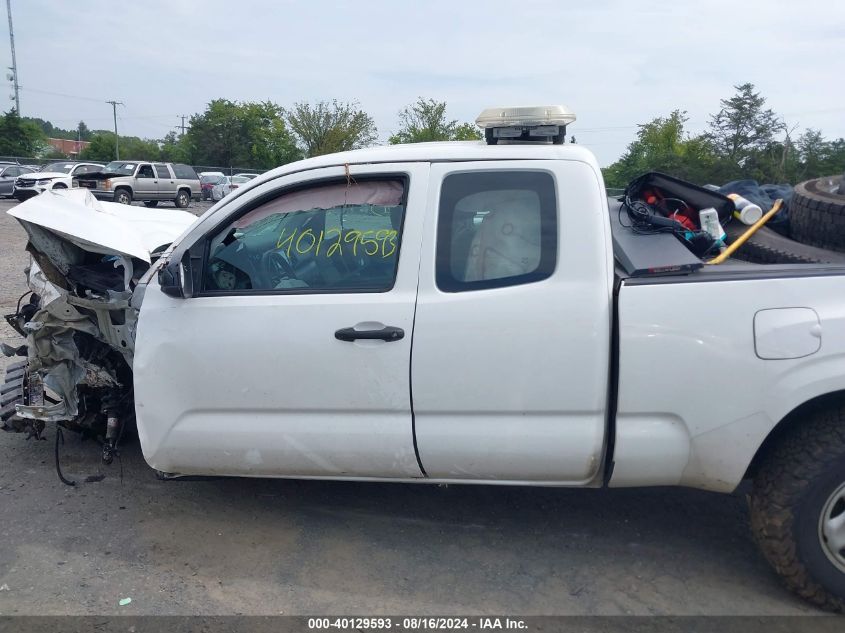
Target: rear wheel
<point x="123" y="196"/>
<point x="151" y="203"/>
<point x="798" y="508"/>
<point x="183" y="199"/>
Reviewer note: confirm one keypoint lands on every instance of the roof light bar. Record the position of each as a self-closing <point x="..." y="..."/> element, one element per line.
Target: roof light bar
<point x="525" y="123"/>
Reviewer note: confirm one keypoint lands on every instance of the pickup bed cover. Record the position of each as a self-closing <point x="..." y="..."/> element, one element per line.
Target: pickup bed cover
<point x="640" y="254"/>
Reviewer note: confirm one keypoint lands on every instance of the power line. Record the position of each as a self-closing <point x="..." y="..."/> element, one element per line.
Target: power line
<point x="14" y="60"/>
<point x="61" y="94"/>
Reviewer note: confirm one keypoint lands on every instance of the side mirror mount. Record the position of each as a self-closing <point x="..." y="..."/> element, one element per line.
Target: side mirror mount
<point x="175" y="278"/>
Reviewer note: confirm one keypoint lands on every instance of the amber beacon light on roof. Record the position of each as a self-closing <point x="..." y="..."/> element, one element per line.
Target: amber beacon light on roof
<point x="531" y="123"/>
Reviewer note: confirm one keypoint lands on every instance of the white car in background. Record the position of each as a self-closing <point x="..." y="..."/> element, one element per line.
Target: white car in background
<point x="248" y="176"/>
<point x="227" y="185"/>
<point x="58" y="175"/>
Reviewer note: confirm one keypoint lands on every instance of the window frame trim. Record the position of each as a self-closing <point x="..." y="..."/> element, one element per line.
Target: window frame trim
<point x="454" y="286"/>
<point x="205" y="241"/>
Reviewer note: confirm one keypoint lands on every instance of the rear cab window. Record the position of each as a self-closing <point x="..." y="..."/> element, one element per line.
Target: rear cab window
<point x="329" y="237"/>
<point x="496" y="229"/>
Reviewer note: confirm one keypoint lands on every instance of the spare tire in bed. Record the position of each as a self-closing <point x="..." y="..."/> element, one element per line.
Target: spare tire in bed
<point x="768" y="247"/>
<point x="817" y="213"/>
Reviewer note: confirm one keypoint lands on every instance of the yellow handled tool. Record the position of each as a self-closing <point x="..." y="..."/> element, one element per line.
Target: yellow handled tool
<point x="742" y="239"/>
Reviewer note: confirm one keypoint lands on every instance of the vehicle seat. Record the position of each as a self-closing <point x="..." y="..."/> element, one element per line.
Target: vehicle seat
<point x="507" y="243"/>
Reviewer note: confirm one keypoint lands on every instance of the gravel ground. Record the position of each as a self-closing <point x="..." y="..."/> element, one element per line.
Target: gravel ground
<point x="232" y="546"/>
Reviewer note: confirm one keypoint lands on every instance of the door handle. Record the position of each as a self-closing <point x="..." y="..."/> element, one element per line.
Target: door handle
<point x="388" y="334"/>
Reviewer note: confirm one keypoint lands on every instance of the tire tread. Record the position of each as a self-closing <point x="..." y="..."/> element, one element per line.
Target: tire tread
<point x="801" y="456"/>
<point x="817" y="219"/>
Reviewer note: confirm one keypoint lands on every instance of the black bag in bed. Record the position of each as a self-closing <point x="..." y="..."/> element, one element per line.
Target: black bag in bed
<point x="697" y="197"/>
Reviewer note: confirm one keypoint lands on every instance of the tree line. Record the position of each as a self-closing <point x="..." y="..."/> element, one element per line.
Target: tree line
<point x="744" y="139"/>
<point x="261" y="135"/>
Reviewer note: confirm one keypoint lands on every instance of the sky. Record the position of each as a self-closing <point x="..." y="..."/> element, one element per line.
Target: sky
<point x="615" y="63"/>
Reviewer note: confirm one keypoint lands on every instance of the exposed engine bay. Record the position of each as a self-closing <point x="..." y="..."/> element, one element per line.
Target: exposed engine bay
<point x="78" y="318"/>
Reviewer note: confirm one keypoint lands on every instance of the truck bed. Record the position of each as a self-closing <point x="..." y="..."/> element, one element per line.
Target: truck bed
<point x="662" y="258"/>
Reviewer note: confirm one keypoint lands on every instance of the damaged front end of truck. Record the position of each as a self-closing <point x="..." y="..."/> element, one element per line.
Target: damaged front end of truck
<point x="79" y="316"/>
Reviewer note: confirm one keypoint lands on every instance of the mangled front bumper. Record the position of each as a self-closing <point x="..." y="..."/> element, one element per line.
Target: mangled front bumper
<point x="79" y="325"/>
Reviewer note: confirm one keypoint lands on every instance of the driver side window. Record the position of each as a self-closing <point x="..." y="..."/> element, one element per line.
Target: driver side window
<point x="334" y="237"/>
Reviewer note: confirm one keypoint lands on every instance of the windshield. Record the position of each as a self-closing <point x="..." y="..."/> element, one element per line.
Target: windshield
<point x="210" y="179"/>
<point x="120" y="167"/>
<point x="58" y="167"/>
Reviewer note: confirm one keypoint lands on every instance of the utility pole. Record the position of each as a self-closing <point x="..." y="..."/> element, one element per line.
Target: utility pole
<point x="14" y="76"/>
<point x="183" y="117"/>
<point x="114" y="105"/>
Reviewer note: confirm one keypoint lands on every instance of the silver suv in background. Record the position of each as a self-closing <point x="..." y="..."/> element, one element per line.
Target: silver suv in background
<point x="126" y="180"/>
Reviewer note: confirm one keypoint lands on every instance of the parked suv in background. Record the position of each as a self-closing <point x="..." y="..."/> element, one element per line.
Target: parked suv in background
<point x="58" y="175"/>
<point x="126" y="180"/>
<point x="9" y="173"/>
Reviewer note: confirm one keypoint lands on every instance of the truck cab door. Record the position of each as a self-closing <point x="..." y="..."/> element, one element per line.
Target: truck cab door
<point x="512" y="333"/>
<point x="293" y="356"/>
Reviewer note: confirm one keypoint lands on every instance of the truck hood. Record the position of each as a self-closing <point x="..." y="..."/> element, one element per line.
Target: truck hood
<point x="103" y="175"/>
<point x="43" y="175"/>
<point x="103" y="227"/>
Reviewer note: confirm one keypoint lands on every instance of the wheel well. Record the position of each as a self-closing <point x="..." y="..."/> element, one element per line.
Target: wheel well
<point x="119" y="187"/>
<point x="790" y="421"/>
<point x="180" y="189"/>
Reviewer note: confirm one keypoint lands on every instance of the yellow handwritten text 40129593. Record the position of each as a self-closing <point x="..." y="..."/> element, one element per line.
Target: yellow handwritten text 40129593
<point x="332" y="241"/>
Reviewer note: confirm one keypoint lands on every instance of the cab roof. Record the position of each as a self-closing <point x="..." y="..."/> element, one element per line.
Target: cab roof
<point x="443" y="151"/>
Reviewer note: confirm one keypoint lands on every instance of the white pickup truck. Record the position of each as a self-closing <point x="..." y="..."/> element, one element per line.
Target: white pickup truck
<point x="445" y="312"/>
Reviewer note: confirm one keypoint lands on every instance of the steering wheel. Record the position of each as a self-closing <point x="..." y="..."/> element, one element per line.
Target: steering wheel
<point x="276" y="267"/>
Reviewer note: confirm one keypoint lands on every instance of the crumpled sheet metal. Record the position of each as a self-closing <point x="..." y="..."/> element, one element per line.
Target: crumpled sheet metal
<point x="107" y="228"/>
<point x="52" y="350"/>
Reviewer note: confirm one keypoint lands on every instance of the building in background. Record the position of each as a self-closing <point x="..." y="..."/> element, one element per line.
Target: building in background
<point x="66" y="146"/>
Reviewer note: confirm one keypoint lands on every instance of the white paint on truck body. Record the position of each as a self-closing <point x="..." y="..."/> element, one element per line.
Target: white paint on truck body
<point x="687" y="354"/>
<point x="258" y="385"/>
<point x="511" y="382"/>
<point x="498" y="385"/>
